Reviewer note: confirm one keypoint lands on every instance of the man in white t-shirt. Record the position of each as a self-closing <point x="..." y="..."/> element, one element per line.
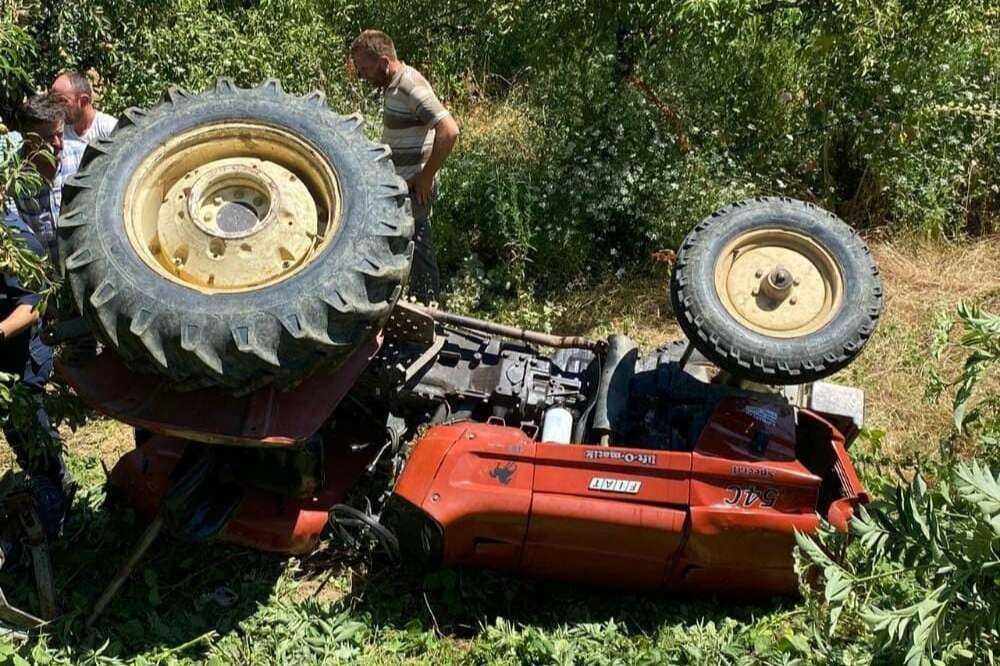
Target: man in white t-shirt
<point x="84" y="123"/>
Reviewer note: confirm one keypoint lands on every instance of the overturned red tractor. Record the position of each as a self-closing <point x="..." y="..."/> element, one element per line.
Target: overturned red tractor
<point x="240" y="254"/>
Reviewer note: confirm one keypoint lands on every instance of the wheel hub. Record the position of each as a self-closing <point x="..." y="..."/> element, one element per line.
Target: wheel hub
<point x="236" y="223"/>
<point x="232" y="207"/>
<point x="231" y="198"/>
<point x="779" y="283"/>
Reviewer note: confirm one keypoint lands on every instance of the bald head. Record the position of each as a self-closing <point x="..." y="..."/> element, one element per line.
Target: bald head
<point x="75" y="93"/>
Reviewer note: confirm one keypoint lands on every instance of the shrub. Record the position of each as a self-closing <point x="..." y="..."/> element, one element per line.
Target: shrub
<point x="920" y="583"/>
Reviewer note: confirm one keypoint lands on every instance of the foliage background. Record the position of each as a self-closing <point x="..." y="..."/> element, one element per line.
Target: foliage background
<point x="596" y="132"/>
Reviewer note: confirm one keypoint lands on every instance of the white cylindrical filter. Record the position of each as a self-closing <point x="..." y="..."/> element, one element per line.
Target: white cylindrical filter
<point x="557" y="427"/>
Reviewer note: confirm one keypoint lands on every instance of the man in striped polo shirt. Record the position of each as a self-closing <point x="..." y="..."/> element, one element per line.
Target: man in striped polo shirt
<point x="421" y="134"/>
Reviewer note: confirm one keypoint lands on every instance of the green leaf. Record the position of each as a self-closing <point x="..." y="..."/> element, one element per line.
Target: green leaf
<point x="924" y="633"/>
<point x="812" y="550"/>
<point x="837" y="591"/>
<point x="798" y="642"/>
<point x="40" y="655"/>
<point x="980" y="487"/>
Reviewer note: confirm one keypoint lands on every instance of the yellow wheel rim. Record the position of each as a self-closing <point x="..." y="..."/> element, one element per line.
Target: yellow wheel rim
<point x="779" y="283"/>
<point x="232" y="207"/>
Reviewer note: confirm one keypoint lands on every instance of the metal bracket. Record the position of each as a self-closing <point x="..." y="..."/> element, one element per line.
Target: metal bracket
<point x="686" y="355"/>
<point x="424" y="359"/>
<point x="411" y="324"/>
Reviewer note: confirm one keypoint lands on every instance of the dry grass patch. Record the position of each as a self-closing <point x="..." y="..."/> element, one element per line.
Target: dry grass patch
<point x="922" y="280"/>
<point x="923" y="276"/>
<point x="504" y="132"/>
<point x="101" y="438"/>
<point x="639" y="309"/>
<point x="6" y="456"/>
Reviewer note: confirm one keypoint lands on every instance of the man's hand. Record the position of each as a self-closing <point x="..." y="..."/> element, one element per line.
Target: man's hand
<point x="421" y="186"/>
<point x="445" y="135"/>
<point x="20" y="320"/>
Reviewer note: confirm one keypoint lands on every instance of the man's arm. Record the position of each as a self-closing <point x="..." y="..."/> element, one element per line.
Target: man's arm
<point x="25" y="312"/>
<point x="18" y="321"/>
<point x="445" y="135"/>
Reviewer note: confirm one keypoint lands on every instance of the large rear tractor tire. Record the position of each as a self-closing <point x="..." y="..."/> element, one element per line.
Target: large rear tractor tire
<point x="236" y="237"/>
<point x="776" y="291"/>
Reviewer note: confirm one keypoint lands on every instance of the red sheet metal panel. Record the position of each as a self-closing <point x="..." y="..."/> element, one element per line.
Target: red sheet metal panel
<point x="266" y="417"/>
<point x="720" y="519"/>
<point x="263" y="520"/>
<point x="480" y="489"/>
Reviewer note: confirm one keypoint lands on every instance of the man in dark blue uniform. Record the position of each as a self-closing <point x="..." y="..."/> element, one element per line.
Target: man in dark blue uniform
<point x="36" y="443"/>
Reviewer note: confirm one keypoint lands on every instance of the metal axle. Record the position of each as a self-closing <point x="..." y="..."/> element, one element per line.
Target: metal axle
<point x="512" y="332"/>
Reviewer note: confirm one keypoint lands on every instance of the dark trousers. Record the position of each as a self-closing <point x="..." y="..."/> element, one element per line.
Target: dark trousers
<point x="45" y="457"/>
<point x="425" y="278"/>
